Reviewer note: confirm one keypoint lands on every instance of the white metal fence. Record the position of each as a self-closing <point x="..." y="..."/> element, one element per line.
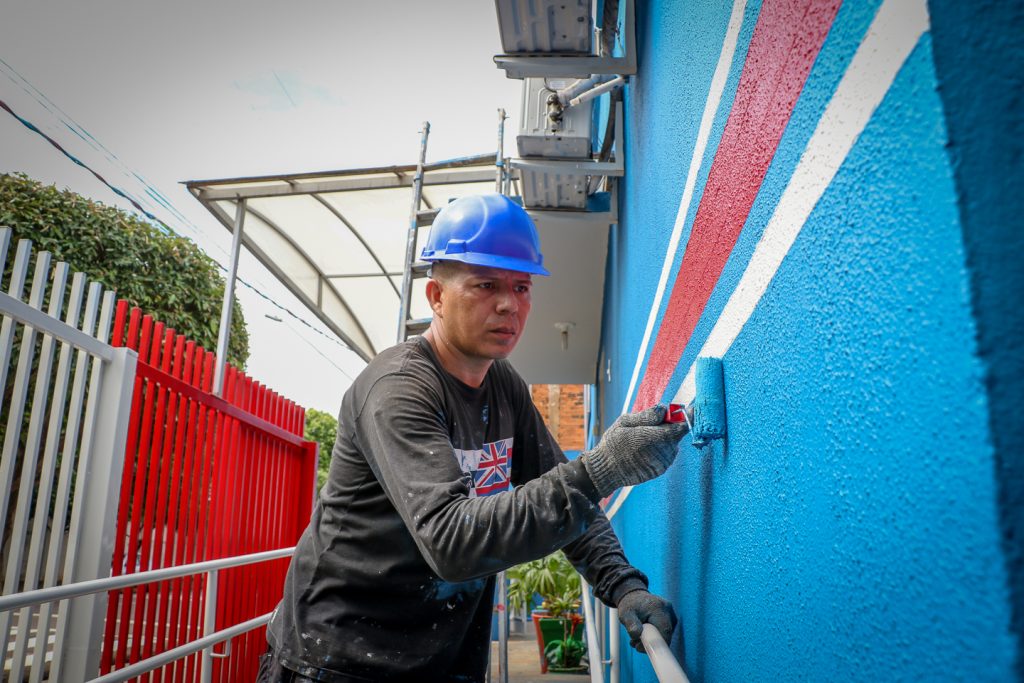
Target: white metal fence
<point x="64" y="416"/>
<point x="64" y="413"/>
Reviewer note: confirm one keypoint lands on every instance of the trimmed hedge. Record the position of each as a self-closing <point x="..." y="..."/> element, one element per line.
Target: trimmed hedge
<point x="166" y="276"/>
<point x="323" y="428"/>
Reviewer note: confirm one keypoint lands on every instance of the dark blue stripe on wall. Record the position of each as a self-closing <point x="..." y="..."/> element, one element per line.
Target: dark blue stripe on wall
<point x="979" y="60"/>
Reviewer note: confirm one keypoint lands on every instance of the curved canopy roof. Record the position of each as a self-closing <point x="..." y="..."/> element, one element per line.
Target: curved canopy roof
<point x="337" y="240"/>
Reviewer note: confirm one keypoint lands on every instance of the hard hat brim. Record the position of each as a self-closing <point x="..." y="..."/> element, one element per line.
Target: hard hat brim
<point x="493" y="261"/>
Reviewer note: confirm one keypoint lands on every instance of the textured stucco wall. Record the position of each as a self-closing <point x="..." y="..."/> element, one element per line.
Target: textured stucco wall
<point x="853" y="525"/>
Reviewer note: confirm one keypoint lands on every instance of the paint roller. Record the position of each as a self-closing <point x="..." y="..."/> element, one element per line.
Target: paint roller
<point x="708" y="403"/>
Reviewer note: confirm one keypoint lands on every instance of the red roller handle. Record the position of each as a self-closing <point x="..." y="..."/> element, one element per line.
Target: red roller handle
<point x="676" y="413"/>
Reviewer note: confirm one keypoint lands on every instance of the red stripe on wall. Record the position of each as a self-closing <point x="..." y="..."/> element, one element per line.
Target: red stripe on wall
<point x="786" y="41"/>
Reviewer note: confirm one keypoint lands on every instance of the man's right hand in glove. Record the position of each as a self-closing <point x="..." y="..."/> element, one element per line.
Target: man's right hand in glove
<point x="636" y="448"/>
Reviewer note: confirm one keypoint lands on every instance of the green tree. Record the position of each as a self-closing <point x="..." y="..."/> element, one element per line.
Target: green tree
<point x="323" y="428"/>
<point x="166" y="276"/>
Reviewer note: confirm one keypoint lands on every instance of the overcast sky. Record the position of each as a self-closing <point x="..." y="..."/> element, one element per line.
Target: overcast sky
<point x="184" y="90"/>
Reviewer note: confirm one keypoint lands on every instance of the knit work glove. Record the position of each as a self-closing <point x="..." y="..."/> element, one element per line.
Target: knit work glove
<point x="639" y="607"/>
<point x="636" y="448"/>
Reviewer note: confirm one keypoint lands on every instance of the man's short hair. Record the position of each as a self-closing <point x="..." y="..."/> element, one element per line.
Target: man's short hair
<point x="444" y="271"/>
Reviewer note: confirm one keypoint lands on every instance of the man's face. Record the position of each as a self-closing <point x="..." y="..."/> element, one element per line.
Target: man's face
<point x="482" y="310"/>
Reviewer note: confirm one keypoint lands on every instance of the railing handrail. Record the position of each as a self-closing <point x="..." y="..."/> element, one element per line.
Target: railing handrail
<point x="80" y="588"/>
<point x="164" y="658"/>
<point x="42" y="322"/>
<point x="666" y="667"/>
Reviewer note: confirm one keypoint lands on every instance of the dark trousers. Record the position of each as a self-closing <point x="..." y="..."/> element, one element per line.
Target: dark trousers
<point x="271" y="671"/>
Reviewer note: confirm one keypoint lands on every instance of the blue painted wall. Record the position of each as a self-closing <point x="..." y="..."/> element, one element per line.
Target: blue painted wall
<point x="863" y="520"/>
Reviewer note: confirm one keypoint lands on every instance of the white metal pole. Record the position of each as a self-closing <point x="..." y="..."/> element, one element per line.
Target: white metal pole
<point x="224" y="333"/>
<point x="94" y="512"/>
<point x="209" y="625"/>
<point x="502" y="628"/>
<point x="593" y="643"/>
<point x="613" y="645"/>
<point x="499" y="158"/>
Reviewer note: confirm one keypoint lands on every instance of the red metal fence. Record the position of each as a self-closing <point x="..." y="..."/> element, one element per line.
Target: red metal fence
<point x="205" y="477"/>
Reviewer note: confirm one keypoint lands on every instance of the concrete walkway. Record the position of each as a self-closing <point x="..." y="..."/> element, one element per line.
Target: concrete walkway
<point x="524" y="663"/>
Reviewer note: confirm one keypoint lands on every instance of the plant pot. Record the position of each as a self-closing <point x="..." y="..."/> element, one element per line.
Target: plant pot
<point x="550" y="628"/>
<point x="569" y="669"/>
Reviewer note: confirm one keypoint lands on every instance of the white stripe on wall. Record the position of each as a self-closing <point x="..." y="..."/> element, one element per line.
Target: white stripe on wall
<point x="893" y="33"/>
<point x="711" y="105"/>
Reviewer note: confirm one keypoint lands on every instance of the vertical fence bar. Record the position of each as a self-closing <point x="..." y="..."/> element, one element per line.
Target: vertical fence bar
<point x="60" y="541"/>
<point x="170" y="493"/>
<point x="27" y="488"/>
<point x="187" y="425"/>
<point x="145" y="392"/>
<point x="140" y="646"/>
<point x="5" y="243"/>
<point x="15" y="423"/>
<point x="212" y="424"/>
<point x="194" y="548"/>
<point x="179" y="506"/>
<point x="16" y="287"/>
<point x="239" y="536"/>
<point x="155" y="590"/>
<point x="49" y="474"/>
<point x="117" y="600"/>
<point x="19" y="394"/>
<point x="107" y="426"/>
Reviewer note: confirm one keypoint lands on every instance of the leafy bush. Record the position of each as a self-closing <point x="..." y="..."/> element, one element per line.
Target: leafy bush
<point x="323" y="428"/>
<point x="167" y="276"/>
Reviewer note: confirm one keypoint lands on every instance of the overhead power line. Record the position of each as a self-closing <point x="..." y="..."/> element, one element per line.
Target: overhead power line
<point x="159" y="224"/>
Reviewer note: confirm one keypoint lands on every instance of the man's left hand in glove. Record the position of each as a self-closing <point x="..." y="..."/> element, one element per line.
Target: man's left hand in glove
<point x="640" y="607"/>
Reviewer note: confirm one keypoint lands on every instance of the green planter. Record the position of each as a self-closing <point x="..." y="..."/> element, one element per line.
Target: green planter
<point x="552" y="631"/>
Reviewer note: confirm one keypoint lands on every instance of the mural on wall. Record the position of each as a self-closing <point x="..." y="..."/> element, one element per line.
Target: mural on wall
<point x="790" y="206"/>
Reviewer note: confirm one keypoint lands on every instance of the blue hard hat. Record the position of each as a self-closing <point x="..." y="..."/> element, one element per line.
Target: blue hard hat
<point x="486" y="230"/>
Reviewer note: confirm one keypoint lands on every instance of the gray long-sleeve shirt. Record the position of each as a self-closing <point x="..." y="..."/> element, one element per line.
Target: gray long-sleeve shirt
<point x="434" y="487"/>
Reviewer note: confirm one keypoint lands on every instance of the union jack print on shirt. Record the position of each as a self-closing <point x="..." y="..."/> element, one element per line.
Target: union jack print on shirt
<point x="489" y="467"/>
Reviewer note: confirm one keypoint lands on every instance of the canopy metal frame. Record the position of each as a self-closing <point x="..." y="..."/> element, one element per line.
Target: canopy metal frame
<point x="238" y="193"/>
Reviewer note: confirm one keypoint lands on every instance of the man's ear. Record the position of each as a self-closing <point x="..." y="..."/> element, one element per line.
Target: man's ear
<point x="434" y="292"/>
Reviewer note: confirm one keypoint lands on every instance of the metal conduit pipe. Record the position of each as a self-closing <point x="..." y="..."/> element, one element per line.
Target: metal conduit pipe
<point x="597" y="91"/>
<point x="576" y="88"/>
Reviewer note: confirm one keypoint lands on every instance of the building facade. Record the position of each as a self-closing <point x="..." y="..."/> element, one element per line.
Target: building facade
<point x="827" y="195"/>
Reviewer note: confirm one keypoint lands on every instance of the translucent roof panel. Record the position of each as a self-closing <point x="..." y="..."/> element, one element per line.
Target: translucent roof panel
<point x="337" y="239"/>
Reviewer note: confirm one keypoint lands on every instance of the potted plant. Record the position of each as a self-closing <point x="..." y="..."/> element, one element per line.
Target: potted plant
<point x="557" y="621"/>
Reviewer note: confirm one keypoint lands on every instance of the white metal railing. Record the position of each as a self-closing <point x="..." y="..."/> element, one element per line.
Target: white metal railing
<point x="602" y="632"/>
<point x="210" y="636"/>
<point x="65" y="417"/>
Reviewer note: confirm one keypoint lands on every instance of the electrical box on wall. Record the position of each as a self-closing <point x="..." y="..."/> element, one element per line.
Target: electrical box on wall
<point x="550" y="130"/>
<point x="541" y="26"/>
